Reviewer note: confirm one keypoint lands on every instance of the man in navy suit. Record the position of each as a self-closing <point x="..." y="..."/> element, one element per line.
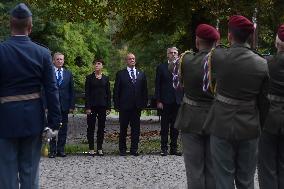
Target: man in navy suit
<point x="130" y="96"/>
<point x="65" y="85"/>
<point x="25" y="68"/>
<point x="169" y="95"/>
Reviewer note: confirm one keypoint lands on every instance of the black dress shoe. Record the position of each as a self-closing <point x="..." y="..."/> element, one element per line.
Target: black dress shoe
<point x="164" y="153"/>
<point x="122" y="153"/>
<point x="91" y="154"/>
<point x="176" y="153"/>
<point x="134" y="153"/>
<point x="61" y="154"/>
<point x="51" y="155"/>
<point x="100" y="153"/>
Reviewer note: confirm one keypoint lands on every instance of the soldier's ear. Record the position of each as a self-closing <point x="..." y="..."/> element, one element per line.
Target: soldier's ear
<point x="230" y="37"/>
<point x="197" y="42"/>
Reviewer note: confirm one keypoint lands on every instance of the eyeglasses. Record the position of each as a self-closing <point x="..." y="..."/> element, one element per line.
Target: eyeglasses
<point x="172" y="52"/>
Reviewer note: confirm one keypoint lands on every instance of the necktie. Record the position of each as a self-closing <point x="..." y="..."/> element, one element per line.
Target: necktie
<point x="59" y="77"/>
<point x="132" y="76"/>
<point x="175" y="74"/>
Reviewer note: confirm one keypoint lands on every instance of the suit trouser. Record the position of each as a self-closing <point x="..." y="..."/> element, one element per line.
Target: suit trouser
<point x="271" y="161"/>
<point x="131" y="117"/>
<point x="198" y="162"/>
<point x="168" y="118"/>
<point x="100" y="114"/>
<point x="19" y="162"/>
<point x="62" y="135"/>
<point x="234" y="161"/>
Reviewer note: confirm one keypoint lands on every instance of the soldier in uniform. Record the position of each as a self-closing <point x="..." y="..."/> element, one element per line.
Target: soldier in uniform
<point x="271" y="143"/>
<point x="25" y="68"/>
<point x="194" y="109"/>
<point x="241" y="76"/>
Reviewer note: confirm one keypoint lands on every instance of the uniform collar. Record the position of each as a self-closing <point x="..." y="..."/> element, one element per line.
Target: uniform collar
<point x="20" y="37"/>
<point x="246" y="45"/>
<point x="204" y="50"/>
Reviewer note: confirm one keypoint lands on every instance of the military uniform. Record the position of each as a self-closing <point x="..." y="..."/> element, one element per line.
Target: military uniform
<point x="233" y="119"/>
<point x="271" y="144"/>
<point x="25" y="68"/>
<point x="191" y="116"/>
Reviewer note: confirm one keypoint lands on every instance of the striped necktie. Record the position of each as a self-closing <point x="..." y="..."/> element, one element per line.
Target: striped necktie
<point x="59" y="77"/>
<point x="132" y="76"/>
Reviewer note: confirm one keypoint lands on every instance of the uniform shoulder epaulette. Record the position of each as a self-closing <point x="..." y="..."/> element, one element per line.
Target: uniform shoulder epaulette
<point x="187" y="52"/>
<point x="40" y="44"/>
<point x="255" y="52"/>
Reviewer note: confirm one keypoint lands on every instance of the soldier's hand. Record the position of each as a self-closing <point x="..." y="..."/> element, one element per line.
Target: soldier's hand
<point x="88" y="111"/>
<point x="160" y="105"/>
<point x="48" y="133"/>
<point x="107" y="112"/>
<point x="71" y="111"/>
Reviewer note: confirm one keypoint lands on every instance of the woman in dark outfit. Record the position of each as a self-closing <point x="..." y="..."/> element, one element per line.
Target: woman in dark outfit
<point x="98" y="104"/>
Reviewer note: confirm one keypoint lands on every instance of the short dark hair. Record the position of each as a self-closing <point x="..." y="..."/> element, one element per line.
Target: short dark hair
<point x="20" y="25"/>
<point x="239" y="35"/>
<point x="208" y="43"/>
<point x="98" y="60"/>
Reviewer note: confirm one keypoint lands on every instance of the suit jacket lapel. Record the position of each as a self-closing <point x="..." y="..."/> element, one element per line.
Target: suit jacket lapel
<point x="127" y="75"/>
<point x="65" y="77"/>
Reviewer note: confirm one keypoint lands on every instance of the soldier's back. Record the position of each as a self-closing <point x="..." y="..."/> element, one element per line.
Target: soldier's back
<point x="240" y="76"/>
<point x="239" y="72"/>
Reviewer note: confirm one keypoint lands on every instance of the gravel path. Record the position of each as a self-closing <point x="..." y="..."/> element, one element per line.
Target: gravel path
<point x="114" y="172"/>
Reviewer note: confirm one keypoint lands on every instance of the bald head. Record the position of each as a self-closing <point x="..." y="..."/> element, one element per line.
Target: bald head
<point x="130" y="60"/>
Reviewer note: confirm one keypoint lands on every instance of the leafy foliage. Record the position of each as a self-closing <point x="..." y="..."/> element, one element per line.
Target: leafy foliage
<point x="82" y="29"/>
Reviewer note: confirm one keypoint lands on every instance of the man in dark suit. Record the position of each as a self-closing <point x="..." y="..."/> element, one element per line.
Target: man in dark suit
<point x="65" y="85"/>
<point x="25" y="68"/>
<point x="271" y="142"/>
<point x="194" y="109"/>
<point x="130" y="96"/>
<point x="169" y="95"/>
<point x="233" y="120"/>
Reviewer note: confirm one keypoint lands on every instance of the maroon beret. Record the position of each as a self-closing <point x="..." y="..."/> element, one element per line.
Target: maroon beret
<point x="241" y="23"/>
<point x="207" y="32"/>
<point x="280" y="32"/>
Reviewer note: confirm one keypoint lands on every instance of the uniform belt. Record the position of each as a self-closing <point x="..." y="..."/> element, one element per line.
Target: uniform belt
<point x="275" y="98"/>
<point x="195" y="103"/>
<point x="17" y="98"/>
<point x="232" y="101"/>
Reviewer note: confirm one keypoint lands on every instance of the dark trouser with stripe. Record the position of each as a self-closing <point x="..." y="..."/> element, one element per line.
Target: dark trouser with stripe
<point x="198" y="162"/>
<point x="168" y="118"/>
<point x="100" y="114"/>
<point x="234" y="161"/>
<point x="131" y="117"/>
<point x="271" y="161"/>
<point x="19" y="162"/>
<point x="62" y="135"/>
